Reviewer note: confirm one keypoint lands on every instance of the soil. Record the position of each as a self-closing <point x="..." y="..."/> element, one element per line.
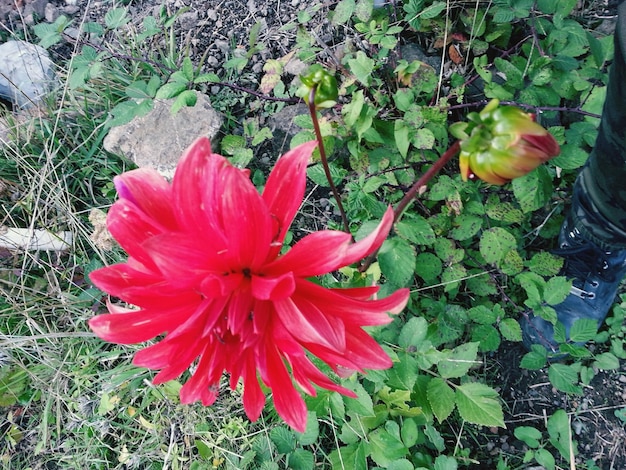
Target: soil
<point x="213" y="28"/>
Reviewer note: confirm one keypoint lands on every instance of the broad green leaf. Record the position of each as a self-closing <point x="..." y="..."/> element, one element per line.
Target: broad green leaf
<point x="402" y="137"/>
<point x="529" y="435"/>
<point x="318" y="176"/>
<point x="364" y="9"/>
<point x="186" y="98"/>
<point x="284" y="439"/>
<point x="513" y="74"/>
<point x="535" y="359"/>
<point x="459" y="362"/>
<point x="397" y="261"/>
<point x="362" y="404"/>
<point x="343" y="12"/>
<point x="409" y="432"/>
<point x="434" y="437"/>
<point x="116" y="17"/>
<point x="545" y="264"/>
<point x="301" y="459"/>
<point x="487" y="337"/>
<point x="510" y="329"/>
<point x="561" y="433"/>
<point x="424" y="139"/>
<point x="512" y="263"/>
<point x="545" y="459"/>
<point x="452" y="276"/>
<point x="353" y="457"/>
<point x="352" y="110"/>
<point x="385" y="448"/>
<point x="312" y="431"/>
<point x="413" y="333"/>
<point x="170" y="90"/>
<point x="401" y="464"/>
<point x="466" y="226"/>
<point x="556" y="290"/>
<point x="583" y="330"/>
<point x="533" y="190"/>
<point x="482" y="314"/>
<point x="416" y="229"/>
<point x="441" y="398"/>
<point x="428" y="266"/>
<point x="362" y="67"/>
<point x="433" y="11"/>
<point x="479" y="404"/>
<point x="571" y="157"/>
<point x="606" y="361"/>
<point x="564" y="378"/>
<point x="443" y="462"/>
<point x="495" y="243"/>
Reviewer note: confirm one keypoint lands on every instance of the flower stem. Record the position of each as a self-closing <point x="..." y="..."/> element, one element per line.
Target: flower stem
<point x="320" y="143"/>
<point x="425" y="178"/>
<point x="411" y="193"/>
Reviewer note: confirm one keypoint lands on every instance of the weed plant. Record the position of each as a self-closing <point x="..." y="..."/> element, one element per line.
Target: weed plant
<point x="476" y="257"/>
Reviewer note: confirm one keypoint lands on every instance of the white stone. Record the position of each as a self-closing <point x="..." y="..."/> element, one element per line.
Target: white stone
<point x="26" y="73"/>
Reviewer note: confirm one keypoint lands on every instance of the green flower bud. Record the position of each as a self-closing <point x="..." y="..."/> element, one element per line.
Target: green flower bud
<point x="326" y="90"/>
<point x="501" y="143"/>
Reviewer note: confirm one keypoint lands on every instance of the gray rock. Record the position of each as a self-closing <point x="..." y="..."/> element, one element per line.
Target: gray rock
<point x="158" y="139"/>
<point x="26" y="73"/>
<point x="282" y="126"/>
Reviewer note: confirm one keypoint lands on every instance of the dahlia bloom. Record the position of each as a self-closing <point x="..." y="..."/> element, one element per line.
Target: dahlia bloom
<point x="502" y="143"/>
<point x="205" y="271"/>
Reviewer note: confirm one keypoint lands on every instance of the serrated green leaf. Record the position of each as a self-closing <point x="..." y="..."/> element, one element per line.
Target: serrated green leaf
<point x="583" y="330"/>
<point x="312" y="430"/>
<point x="606" y="361"/>
<point x="452" y="276"/>
<point x="301" y="459"/>
<point x="231" y="143"/>
<point x="441" y="398"/>
<point x="432" y="11"/>
<point x="423" y="139"/>
<point x="571" y="157"/>
<point x="343" y="12"/>
<point x="443" y="462"/>
<point x="557" y="289"/>
<point x="416" y="229"/>
<point x="459" y="361"/>
<point x="510" y="329"/>
<point x="318" y="176"/>
<point x="116" y="17"/>
<point x="495" y="243"/>
<point x="397" y="261"/>
<point x="487" y="336"/>
<point x="284" y="439"/>
<point x="479" y="404"/>
<point x="533" y="190"/>
<point x="428" y="266"/>
<point x="362" y="404"/>
<point x="466" y="226"/>
<point x="545" y="264"/>
<point x="401" y="464"/>
<point x="413" y="333"/>
<point x="512" y="263"/>
<point x="385" y="448"/>
<point x="482" y="314"/>
<point x="186" y="98"/>
<point x="402" y="137"/>
<point x="564" y="378"/>
<point x="362" y="67"/>
<point x="536" y="359"/>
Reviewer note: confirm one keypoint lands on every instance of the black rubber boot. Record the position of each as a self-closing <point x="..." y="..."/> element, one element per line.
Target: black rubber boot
<point x="596" y="274"/>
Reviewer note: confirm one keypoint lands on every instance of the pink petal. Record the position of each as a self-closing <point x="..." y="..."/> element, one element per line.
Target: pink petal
<point x="149" y="191"/>
<point x="131" y="227"/>
<point x="287" y="401"/>
<point x="273" y="287"/>
<point x="304" y="371"/>
<point x="131" y="327"/>
<point x="240" y="308"/>
<point x="284" y="189"/>
<point x="370" y="243"/>
<point x="316" y="254"/>
<point x="352" y="310"/>
<point x="201" y="385"/>
<point x="182" y="260"/>
<point x="253" y="397"/>
<point x="197" y="187"/>
<point x="246" y="221"/>
<point x="310" y="324"/>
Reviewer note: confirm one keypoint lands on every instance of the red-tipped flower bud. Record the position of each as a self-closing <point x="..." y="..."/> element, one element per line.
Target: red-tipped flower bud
<point x="501" y="143"/>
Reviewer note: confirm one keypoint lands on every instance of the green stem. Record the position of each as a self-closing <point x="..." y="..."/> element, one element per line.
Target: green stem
<point x="320" y="144"/>
<point x="411" y="193"/>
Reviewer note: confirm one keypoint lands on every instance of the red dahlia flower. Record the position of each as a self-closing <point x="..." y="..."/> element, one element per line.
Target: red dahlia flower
<point x="205" y="271"/>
